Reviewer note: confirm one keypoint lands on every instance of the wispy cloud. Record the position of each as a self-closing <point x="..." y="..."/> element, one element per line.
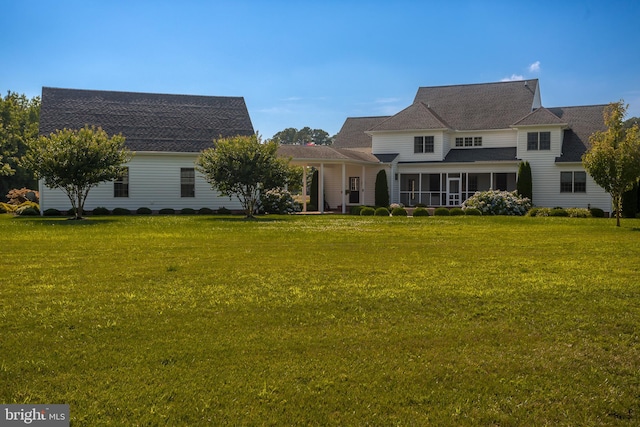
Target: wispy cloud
<point x="535" y="67"/>
<point x="513" y="78"/>
<point x="387" y="100"/>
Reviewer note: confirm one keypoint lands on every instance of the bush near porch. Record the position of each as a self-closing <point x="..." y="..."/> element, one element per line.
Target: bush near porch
<point x="497" y="202"/>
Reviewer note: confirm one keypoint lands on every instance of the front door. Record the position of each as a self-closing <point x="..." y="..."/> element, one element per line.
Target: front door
<point x="453" y="192"/>
<point x="354" y="190"/>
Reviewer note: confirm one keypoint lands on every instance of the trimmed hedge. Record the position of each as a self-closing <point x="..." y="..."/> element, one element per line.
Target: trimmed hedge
<point x="121" y="211"/>
<point x="441" y="211"/>
<point x="144" y="211"/>
<point x="167" y="211"/>
<point x="205" y="211"/>
<point x="52" y="212"/>
<point x="597" y="212"/>
<point x="224" y="211"/>
<point x="100" y="211"/>
<point x="472" y="212"/>
<point x="187" y="211"/>
<point x="421" y="212"/>
<point x="456" y="212"/>
<point x="558" y="212"/>
<point x="28" y="212"/>
<point x="382" y="212"/>
<point x="367" y="211"/>
<point x="399" y="212"/>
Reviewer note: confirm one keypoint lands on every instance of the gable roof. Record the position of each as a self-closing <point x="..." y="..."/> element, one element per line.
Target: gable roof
<point x="352" y="134"/>
<point x="541" y="116"/>
<point x="315" y="153"/>
<point x="583" y="121"/>
<point x="481" y="106"/>
<point x="416" y="116"/>
<point x="148" y="121"/>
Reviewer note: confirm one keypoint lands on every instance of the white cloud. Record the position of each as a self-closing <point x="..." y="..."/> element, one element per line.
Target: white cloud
<point x="535" y="67"/>
<point x="513" y="78"/>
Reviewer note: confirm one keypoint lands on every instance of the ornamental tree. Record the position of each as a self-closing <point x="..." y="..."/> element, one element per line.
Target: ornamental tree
<point x="382" y="189"/>
<point x="524" y="186"/>
<point x="613" y="160"/>
<point x="243" y="166"/>
<point x="76" y="161"/>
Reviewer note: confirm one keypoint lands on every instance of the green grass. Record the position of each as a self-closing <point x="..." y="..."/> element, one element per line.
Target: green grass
<point x="323" y="320"/>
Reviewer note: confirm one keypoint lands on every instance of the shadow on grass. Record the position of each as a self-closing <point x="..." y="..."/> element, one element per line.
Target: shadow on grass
<point x="62" y="221"/>
<point x="240" y="218"/>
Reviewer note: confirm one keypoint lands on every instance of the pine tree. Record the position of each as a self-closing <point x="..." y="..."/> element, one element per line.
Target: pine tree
<point x="382" y="189"/>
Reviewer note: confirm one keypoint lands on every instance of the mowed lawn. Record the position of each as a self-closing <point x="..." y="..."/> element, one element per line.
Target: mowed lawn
<point x="323" y="320"/>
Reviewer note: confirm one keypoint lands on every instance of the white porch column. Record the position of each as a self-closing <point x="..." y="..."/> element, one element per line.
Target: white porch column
<point x="362" y="188"/>
<point x="304" y="188"/>
<point x="344" y="186"/>
<point x="321" y="189"/>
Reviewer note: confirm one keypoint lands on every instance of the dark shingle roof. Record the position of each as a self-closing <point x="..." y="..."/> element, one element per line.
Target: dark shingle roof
<point x="149" y="121"/>
<point x="480" y="106"/>
<point x="500" y="154"/>
<point x="416" y="116"/>
<point x="324" y="153"/>
<point x="541" y="116"/>
<point x="583" y="121"/>
<point x="352" y="134"/>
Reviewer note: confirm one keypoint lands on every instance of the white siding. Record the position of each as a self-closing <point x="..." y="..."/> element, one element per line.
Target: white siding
<point x="490" y="139"/>
<point x="402" y="144"/>
<point x="154" y="183"/>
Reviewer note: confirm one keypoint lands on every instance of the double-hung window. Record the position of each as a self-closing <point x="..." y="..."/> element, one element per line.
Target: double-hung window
<point x="538" y="141"/>
<point x="573" y="182"/>
<point x="121" y="184"/>
<point x="423" y="144"/>
<point x="187" y="182"/>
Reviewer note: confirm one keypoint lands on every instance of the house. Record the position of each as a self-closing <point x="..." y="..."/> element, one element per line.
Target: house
<point x="165" y="132"/>
<point x="456" y="140"/>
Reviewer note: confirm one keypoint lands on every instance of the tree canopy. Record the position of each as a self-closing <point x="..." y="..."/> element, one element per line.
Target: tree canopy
<point x="19" y="118"/>
<point x="244" y="167"/>
<point x="613" y="160"/>
<point x="306" y="135"/>
<point x="76" y="161"/>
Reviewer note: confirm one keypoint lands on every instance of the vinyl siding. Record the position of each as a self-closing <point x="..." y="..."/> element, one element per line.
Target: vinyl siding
<point x="154" y="182"/>
<point x="402" y="144"/>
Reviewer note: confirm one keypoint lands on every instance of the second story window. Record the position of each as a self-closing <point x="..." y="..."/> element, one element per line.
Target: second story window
<point x="538" y="141"/>
<point x="423" y="144"/>
<point x="469" y="141"/>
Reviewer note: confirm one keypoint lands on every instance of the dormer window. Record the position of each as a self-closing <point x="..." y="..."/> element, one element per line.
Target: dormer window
<point x="538" y="141"/>
<point x="423" y="144"/>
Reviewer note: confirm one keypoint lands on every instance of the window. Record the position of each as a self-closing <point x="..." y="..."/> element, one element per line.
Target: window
<point x="573" y="182"/>
<point x="469" y="141"/>
<point x="538" y="141"/>
<point x="187" y="182"/>
<point x="121" y="184"/>
<point x="423" y="144"/>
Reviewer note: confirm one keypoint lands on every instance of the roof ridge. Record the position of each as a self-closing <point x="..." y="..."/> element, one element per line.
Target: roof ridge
<point x="156" y="94"/>
<point x="482" y="84"/>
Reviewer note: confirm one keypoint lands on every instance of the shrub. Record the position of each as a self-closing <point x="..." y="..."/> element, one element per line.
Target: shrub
<point x="597" y="212"/>
<point x="5" y="207"/>
<point x="121" y="211"/>
<point x="495" y="202"/>
<point x="143" y="211"/>
<point x="558" y="212"/>
<point x="368" y="211"/>
<point x="399" y="212"/>
<point x="205" y="211"/>
<point x="100" y="211"/>
<point x="224" y="211"/>
<point x="456" y="212"/>
<point x="381" y="189"/>
<point x="421" y="211"/>
<point x="19" y="209"/>
<point x="277" y="201"/>
<point x="355" y="210"/>
<point x="167" y="211"/>
<point x="52" y="212"/>
<point x="441" y="211"/>
<point x="28" y="211"/>
<point x="420" y="205"/>
<point x="187" y="211"/>
<point x="579" y="213"/>
<point x="524" y="184"/>
<point x="17" y="197"/>
<point x="382" y="212"/>
<point x="472" y="211"/>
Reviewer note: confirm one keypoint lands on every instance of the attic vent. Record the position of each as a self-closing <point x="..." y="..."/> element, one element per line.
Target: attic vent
<point x="526" y="83"/>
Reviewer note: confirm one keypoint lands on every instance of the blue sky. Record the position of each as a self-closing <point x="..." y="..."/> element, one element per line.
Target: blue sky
<point x="315" y="63"/>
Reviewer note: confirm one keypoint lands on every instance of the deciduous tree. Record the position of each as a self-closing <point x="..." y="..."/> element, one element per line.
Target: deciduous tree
<point x="243" y="166"/>
<point x="76" y="161"/>
<point x="306" y="135"/>
<point x="19" y="118"/>
<point x="613" y="160"/>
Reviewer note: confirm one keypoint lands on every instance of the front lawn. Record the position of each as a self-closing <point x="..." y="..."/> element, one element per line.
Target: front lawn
<point x="323" y="320"/>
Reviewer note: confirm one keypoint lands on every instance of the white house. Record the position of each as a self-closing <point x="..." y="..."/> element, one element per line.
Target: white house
<point x="166" y="134"/>
<point x="456" y="140"/>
